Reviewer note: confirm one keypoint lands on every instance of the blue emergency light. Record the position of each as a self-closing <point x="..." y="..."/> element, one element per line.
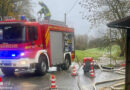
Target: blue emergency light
<point x="13" y="55"/>
<point x="23" y="17"/>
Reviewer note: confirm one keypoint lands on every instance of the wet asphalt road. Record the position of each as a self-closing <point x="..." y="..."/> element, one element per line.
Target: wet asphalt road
<point x="29" y="81"/>
<point x="64" y="80"/>
<point x="88" y="83"/>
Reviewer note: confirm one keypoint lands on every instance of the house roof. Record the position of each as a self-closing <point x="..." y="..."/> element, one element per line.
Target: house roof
<point x="122" y="23"/>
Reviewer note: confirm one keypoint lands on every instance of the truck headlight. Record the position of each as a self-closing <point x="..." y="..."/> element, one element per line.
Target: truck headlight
<point x="23" y="62"/>
<point x="22" y="54"/>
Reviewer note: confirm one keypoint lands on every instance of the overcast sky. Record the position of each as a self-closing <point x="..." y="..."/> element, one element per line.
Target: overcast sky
<point x="74" y="18"/>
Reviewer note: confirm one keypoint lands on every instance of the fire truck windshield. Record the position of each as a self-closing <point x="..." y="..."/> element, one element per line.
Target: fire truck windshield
<point x="12" y="34"/>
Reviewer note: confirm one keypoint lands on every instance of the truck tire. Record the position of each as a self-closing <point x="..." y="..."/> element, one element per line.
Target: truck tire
<point x="8" y="71"/>
<point x="67" y="63"/>
<point x="42" y="66"/>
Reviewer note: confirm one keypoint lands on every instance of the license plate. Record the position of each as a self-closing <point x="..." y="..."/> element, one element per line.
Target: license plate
<point x="6" y="62"/>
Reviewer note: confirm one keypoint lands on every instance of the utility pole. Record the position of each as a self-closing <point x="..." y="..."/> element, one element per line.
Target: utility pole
<point x="0" y="18"/>
<point x="110" y="48"/>
<point x="65" y="18"/>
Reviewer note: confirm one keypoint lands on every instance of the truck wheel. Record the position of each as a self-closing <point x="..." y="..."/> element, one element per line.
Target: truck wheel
<point x="41" y="67"/>
<point x="66" y="64"/>
<point x="8" y="71"/>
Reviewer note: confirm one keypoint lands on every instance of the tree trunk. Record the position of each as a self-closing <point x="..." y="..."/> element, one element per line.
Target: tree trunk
<point x="122" y="47"/>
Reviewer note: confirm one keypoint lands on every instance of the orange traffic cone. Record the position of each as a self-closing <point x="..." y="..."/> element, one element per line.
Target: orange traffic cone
<point x="53" y="83"/>
<point x="1" y="83"/>
<point x="92" y="72"/>
<point x="74" y="71"/>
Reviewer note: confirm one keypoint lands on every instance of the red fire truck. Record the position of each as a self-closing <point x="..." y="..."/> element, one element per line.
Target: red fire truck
<point x="26" y="45"/>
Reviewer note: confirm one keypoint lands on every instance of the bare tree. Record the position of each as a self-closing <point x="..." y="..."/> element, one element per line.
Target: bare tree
<point x="15" y="8"/>
<point x="104" y="11"/>
<point x="81" y="41"/>
<point x="101" y="42"/>
<point x="24" y="7"/>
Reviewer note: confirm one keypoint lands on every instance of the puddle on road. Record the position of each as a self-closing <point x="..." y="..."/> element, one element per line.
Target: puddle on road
<point x="64" y="80"/>
<point x="28" y="81"/>
<point x="103" y="76"/>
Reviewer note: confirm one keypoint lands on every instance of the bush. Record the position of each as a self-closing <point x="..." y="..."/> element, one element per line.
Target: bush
<point x="115" y="52"/>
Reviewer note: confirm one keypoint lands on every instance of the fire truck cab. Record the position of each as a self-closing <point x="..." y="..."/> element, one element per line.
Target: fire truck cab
<point x="26" y="45"/>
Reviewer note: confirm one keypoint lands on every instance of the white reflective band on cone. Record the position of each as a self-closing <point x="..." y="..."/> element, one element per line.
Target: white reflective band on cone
<point x="74" y="71"/>
<point x="53" y="84"/>
<point x="53" y="79"/>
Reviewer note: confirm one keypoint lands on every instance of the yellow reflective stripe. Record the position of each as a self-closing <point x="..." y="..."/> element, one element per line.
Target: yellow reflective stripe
<point x="47" y="33"/>
<point x="47" y="40"/>
<point x="27" y="47"/>
<point x="47" y="36"/>
<point x="47" y="14"/>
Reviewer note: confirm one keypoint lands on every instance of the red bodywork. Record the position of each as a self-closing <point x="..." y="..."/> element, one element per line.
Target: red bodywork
<point x="46" y="32"/>
<point x="42" y="43"/>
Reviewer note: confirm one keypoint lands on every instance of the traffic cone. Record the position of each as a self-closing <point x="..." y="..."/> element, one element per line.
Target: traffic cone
<point x="53" y="83"/>
<point x="92" y="72"/>
<point x="74" y="71"/>
<point x="1" y="83"/>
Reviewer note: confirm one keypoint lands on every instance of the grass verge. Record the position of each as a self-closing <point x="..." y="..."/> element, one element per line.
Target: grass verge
<point x="95" y="53"/>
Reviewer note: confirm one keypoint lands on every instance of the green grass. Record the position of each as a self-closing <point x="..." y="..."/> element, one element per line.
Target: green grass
<point x="110" y="65"/>
<point x="123" y="86"/>
<point x="97" y="52"/>
<point x="116" y="53"/>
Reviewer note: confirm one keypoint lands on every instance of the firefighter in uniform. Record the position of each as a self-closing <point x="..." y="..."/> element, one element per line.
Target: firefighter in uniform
<point x="45" y="11"/>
